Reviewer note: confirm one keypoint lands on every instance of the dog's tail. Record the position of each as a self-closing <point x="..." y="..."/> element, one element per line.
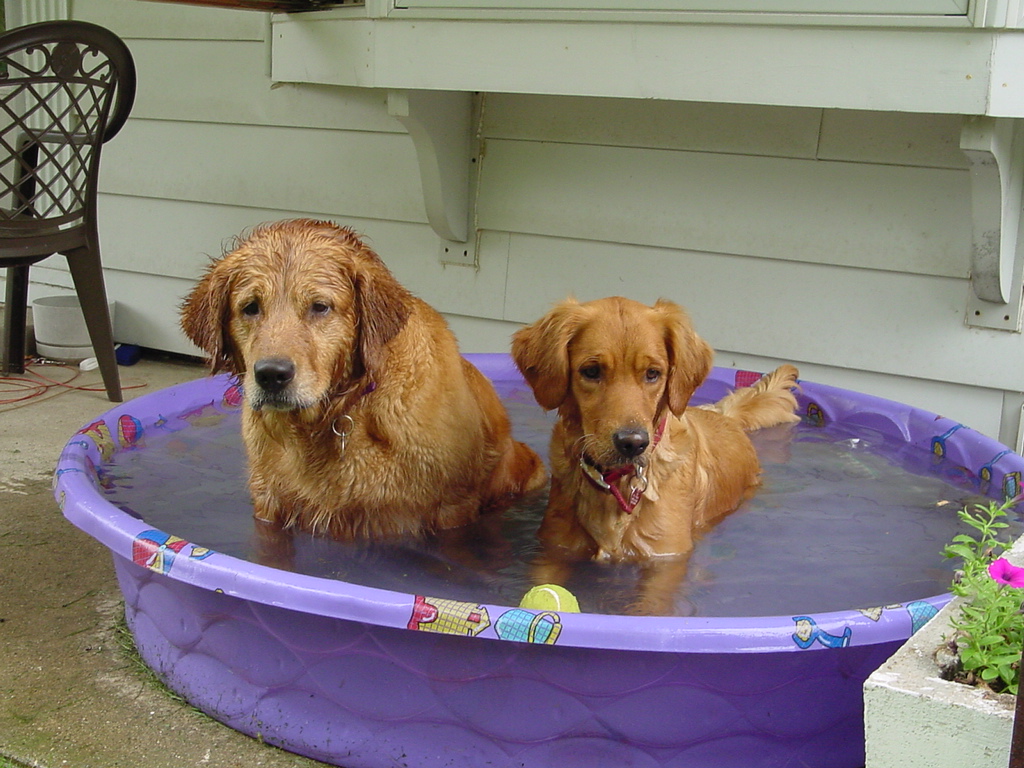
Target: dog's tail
<point x="769" y="402"/>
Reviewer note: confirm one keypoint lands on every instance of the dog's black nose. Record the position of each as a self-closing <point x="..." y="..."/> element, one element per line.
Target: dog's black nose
<point x="273" y="374"/>
<point x="631" y="442"/>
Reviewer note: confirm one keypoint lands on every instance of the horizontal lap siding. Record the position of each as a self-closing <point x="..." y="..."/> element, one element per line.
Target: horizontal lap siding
<point x="705" y="127"/>
<point x="353" y="173"/>
<point x="852" y="214"/>
<point x="178" y="240"/>
<point x="857" y="318"/>
<point x="840" y="188"/>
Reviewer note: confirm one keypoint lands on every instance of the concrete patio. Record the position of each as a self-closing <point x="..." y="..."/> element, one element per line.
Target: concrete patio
<point x="70" y="694"/>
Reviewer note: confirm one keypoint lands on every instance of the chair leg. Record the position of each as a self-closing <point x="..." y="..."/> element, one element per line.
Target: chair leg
<point x="15" y="304"/>
<point x="87" y="273"/>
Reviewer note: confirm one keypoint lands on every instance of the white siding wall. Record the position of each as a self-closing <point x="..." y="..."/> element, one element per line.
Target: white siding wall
<point x="835" y="239"/>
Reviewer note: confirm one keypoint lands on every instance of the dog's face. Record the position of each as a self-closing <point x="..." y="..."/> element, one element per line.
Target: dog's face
<point x="614" y="367"/>
<point x="298" y="309"/>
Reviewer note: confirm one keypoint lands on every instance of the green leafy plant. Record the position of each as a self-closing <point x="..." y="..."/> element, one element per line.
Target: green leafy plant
<point x="990" y="627"/>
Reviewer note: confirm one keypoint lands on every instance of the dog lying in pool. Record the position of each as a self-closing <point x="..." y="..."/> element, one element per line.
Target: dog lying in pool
<point x="636" y="474"/>
<point x="360" y="417"/>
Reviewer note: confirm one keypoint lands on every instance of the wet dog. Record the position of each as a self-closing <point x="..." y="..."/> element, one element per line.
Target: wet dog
<point x="360" y="417"/>
<point x="636" y="473"/>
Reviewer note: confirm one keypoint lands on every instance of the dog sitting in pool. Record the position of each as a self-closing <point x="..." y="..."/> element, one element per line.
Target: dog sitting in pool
<point x="636" y="474"/>
<point x="360" y="419"/>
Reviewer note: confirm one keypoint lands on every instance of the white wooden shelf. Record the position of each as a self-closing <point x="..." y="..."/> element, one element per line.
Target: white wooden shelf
<point x="967" y="63"/>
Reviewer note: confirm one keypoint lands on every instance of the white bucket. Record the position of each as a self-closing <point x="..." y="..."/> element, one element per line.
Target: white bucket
<point x="60" y="329"/>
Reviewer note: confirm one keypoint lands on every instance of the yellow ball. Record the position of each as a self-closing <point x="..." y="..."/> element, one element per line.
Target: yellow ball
<point x="550" y="597"/>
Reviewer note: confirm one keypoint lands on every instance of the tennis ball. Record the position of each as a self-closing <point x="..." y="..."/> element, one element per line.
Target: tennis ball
<point x="550" y="597"/>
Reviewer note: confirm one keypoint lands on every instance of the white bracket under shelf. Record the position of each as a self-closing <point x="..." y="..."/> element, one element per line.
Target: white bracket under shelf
<point x="442" y="127"/>
<point x="995" y="152"/>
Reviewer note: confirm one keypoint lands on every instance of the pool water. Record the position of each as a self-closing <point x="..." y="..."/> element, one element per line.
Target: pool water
<point x="844" y="519"/>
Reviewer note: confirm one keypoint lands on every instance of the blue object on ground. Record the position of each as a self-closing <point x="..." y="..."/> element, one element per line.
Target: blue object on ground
<point x="128" y="354"/>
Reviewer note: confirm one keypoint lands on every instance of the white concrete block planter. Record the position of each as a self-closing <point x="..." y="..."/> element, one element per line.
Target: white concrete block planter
<point x="915" y="719"/>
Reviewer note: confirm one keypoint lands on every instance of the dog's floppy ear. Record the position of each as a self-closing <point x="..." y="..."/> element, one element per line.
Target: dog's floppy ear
<point x="205" y="318"/>
<point x="689" y="355"/>
<point x="383" y="305"/>
<point x="541" y="352"/>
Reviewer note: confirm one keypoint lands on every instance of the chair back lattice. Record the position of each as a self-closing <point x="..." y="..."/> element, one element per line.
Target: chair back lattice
<point x="65" y="89"/>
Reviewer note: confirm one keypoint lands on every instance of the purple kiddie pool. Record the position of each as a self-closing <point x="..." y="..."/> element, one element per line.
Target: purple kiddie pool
<point x="416" y="654"/>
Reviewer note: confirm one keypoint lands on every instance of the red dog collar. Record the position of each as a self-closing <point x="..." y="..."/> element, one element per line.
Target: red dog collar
<point x="608" y="479"/>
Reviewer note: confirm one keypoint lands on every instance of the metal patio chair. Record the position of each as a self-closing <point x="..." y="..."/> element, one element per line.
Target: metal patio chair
<point x="66" y="87"/>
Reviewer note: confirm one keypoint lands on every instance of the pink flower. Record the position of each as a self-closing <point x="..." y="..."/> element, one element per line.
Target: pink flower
<point x="1002" y="571"/>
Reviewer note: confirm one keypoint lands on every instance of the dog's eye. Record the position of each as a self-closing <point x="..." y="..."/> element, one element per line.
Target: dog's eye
<point x="320" y="308"/>
<point x="251" y="309"/>
<point x="591" y="372"/>
<point x="652" y="375"/>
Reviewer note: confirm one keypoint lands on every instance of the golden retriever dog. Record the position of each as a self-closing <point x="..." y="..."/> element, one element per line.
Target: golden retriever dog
<point x="360" y="417"/>
<point x="636" y="474"/>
